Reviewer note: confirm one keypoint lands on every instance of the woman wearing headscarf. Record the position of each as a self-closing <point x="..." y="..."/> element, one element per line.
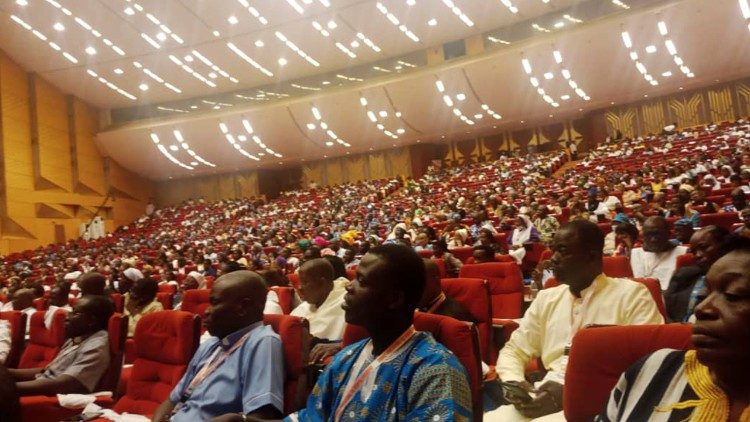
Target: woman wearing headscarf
<point x="524" y="232"/>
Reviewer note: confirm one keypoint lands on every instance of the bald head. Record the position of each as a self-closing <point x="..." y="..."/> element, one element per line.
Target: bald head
<point x="656" y="235"/>
<point x="432" y="283"/>
<point x="237" y="300"/>
<point x="317" y="268"/>
<point x="22" y="299"/>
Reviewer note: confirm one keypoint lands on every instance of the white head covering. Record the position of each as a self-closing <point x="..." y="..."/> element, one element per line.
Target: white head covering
<point x="522" y="236"/>
<point x="133" y="274"/>
<point x="199" y="278"/>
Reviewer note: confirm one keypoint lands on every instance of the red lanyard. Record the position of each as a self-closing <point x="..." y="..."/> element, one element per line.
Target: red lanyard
<point x="210" y="366"/>
<point x="352" y="388"/>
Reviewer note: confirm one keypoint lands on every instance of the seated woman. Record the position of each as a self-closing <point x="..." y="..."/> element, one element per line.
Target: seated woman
<point x="487" y="238"/>
<point x="452" y="264"/>
<point x="525" y="232"/>
<point x="710" y="382"/>
<point x="626" y="236"/>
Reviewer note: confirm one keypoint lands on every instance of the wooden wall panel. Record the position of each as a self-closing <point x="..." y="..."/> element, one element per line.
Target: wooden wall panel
<point x="90" y="164"/>
<point x="334" y="173"/>
<point x="209" y="187"/>
<point x="354" y="168"/>
<point x="50" y="108"/>
<point x="400" y="162"/>
<point x="377" y="166"/>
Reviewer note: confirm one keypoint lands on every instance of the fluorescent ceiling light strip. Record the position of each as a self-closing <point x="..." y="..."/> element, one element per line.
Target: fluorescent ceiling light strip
<point x="181" y="140"/>
<point x="394" y="20"/>
<point x="171" y="158"/>
<point x="745" y="8"/>
<point x="89" y="28"/>
<point x="248" y="59"/>
<point x="190" y="71"/>
<point x="457" y="11"/>
<point x="161" y="27"/>
<point x="71" y="58"/>
<point x="213" y="66"/>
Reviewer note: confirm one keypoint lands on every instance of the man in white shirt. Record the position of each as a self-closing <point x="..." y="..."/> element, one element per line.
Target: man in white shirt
<point x="323" y="297"/>
<point x="658" y="256"/>
<point x="23" y="300"/>
<point x="586" y="297"/>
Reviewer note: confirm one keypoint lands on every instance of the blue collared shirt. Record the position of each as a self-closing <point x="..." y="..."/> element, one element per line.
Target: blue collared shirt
<point x="250" y="378"/>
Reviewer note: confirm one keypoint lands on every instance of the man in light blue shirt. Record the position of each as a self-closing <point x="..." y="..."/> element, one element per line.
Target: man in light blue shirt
<point x="239" y="371"/>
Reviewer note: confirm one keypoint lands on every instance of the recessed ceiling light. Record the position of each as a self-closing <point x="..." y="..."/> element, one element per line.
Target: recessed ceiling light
<point x="242" y="138"/>
<point x="411" y="2"/>
<point x="217" y="34"/>
<point x="549" y="75"/>
<point x="90" y="50"/>
<point x="259" y="43"/>
<point x="22" y="2"/>
<point x="559" y="25"/>
<point x="383" y="113"/>
<point x="193" y="107"/>
<point x="174" y="147"/>
<point x="193" y="163"/>
<point x="612" y="103"/>
<point x="565" y="97"/>
<point x="213" y="75"/>
<point x="58" y="26"/>
<point x="432" y="22"/>
<point x="523" y="121"/>
<point x="326" y="83"/>
<point x="233" y="20"/>
<point x="651" y="49"/>
<point x="354" y="44"/>
<point x="143" y="87"/>
<point x="461" y="96"/>
<point x="680" y="88"/>
<point x="331" y="25"/>
<point x="666" y="74"/>
<point x="129" y="11"/>
<point x="311" y="126"/>
<point x="188" y="58"/>
<point x="161" y="36"/>
<point x="645" y="95"/>
<point x="282" y="62"/>
<point x="118" y="71"/>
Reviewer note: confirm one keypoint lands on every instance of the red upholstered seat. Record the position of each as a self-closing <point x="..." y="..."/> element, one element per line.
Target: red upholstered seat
<point x="165" y="299"/>
<point x="293" y="279"/>
<point x="459" y="337"/>
<point x="40" y="304"/>
<point x="286" y="298"/>
<point x="463" y="253"/>
<point x="43" y="343"/>
<point x="425" y="253"/>
<point x="47" y="408"/>
<point x="598" y="356"/>
<point x="195" y="301"/>
<point x="684" y="260"/>
<point x="351" y="274"/>
<point x="441" y="266"/>
<point x="506" y="286"/>
<point x="723" y="219"/>
<point x="294" y="333"/>
<point x="164" y="344"/>
<point x="617" y="266"/>
<point x="474" y="295"/>
<point x="17" y="320"/>
<point x="168" y="288"/>
<point x="119" y="302"/>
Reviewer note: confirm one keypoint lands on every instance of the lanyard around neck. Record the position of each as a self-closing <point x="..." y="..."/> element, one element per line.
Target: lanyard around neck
<point x="353" y="388"/>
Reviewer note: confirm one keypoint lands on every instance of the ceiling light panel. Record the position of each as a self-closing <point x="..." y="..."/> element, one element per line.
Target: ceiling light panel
<point x="205" y="60"/>
<point x="456" y="102"/>
<point x="510" y="6"/>
<point x="154" y="76"/>
<point x="111" y="85"/>
<point x="189" y="70"/>
<point x="86" y="26"/>
<point x="162" y="31"/>
<point x="566" y="78"/>
<point x="379" y="118"/>
<point x="324" y="128"/>
<point x="255" y="13"/>
<point x="235" y="143"/>
<point x="459" y="14"/>
<point x="292" y="46"/>
<point x="241" y="54"/>
<point x="670" y="48"/>
<point x="71" y="58"/>
<point x="394" y="20"/>
<point x="184" y="144"/>
<point x="163" y="149"/>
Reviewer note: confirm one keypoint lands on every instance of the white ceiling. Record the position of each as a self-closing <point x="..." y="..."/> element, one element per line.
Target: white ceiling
<point x="711" y="36"/>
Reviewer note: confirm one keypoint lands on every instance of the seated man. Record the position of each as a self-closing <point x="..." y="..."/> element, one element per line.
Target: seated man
<point x="398" y="373"/>
<point x="658" y="256"/>
<point x="585" y="297"/>
<point x="482" y="254"/>
<point x="435" y="301"/>
<point x="83" y="359"/>
<point x="688" y="282"/>
<point x="710" y="382"/>
<point x="240" y="370"/>
<point x="92" y="283"/>
<point x="58" y="299"/>
<point x="323" y="296"/>
<point x="22" y="300"/>
<point x="141" y="300"/>
<point x="5" y="340"/>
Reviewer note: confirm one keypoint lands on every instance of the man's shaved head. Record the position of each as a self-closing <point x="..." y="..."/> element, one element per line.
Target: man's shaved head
<point x="237" y="300"/>
<point x="92" y="283"/>
<point x="316" y="280"/>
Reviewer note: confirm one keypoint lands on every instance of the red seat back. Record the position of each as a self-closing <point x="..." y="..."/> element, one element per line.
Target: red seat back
<point x="463" y="253"/>
<point x="40" y="304"/>
<point x="43" y="343"/>
<point x="598" y="356"/>
<point x="294" y="333"/>
<point x="294" y="279"/>
<point x="17" y="320"/>
<point x="164" y="344"/>
<point x="441" y="266"/>
<point x="351" y="274"/>
<point x="723" y="219"/>
<point x="286" y="298"/>
<point x="654" y="287"/>
<point x="168" y="288"/>
<point x="474" y="295"/>
<point x="617" y="266"/>
<point x="684" y="260"/>
<point x="118" y="300"/>
<point x="165" y="299"/>
<point x="425" y="253"/>
<point x="195" y="301"/>
<point x="459" y="337"/>
<point x="117" y="328"/>
<point x="506" y="286"/>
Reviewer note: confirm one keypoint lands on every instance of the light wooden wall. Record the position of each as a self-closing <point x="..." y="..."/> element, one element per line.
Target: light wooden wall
<point x="372" y="166"/>
<point x="718" y="103"/>
<point x="51" y="172"/>
<point x="210" y="188"/>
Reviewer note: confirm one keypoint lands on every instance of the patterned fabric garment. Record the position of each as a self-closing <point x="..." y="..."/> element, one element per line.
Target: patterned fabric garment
<point x="423" y="382"/>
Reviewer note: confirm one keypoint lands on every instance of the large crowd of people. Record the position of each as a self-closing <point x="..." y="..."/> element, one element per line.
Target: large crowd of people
<point x="652" y="200"/>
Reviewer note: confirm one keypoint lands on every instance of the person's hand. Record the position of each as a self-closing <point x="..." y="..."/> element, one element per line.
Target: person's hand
<point x="323" y="350"/>
<point x="511" y="396"/>
<point x="547" y="401"/>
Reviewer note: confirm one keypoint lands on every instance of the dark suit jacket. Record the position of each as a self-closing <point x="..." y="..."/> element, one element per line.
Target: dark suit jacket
<point x="677" y="296"/>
